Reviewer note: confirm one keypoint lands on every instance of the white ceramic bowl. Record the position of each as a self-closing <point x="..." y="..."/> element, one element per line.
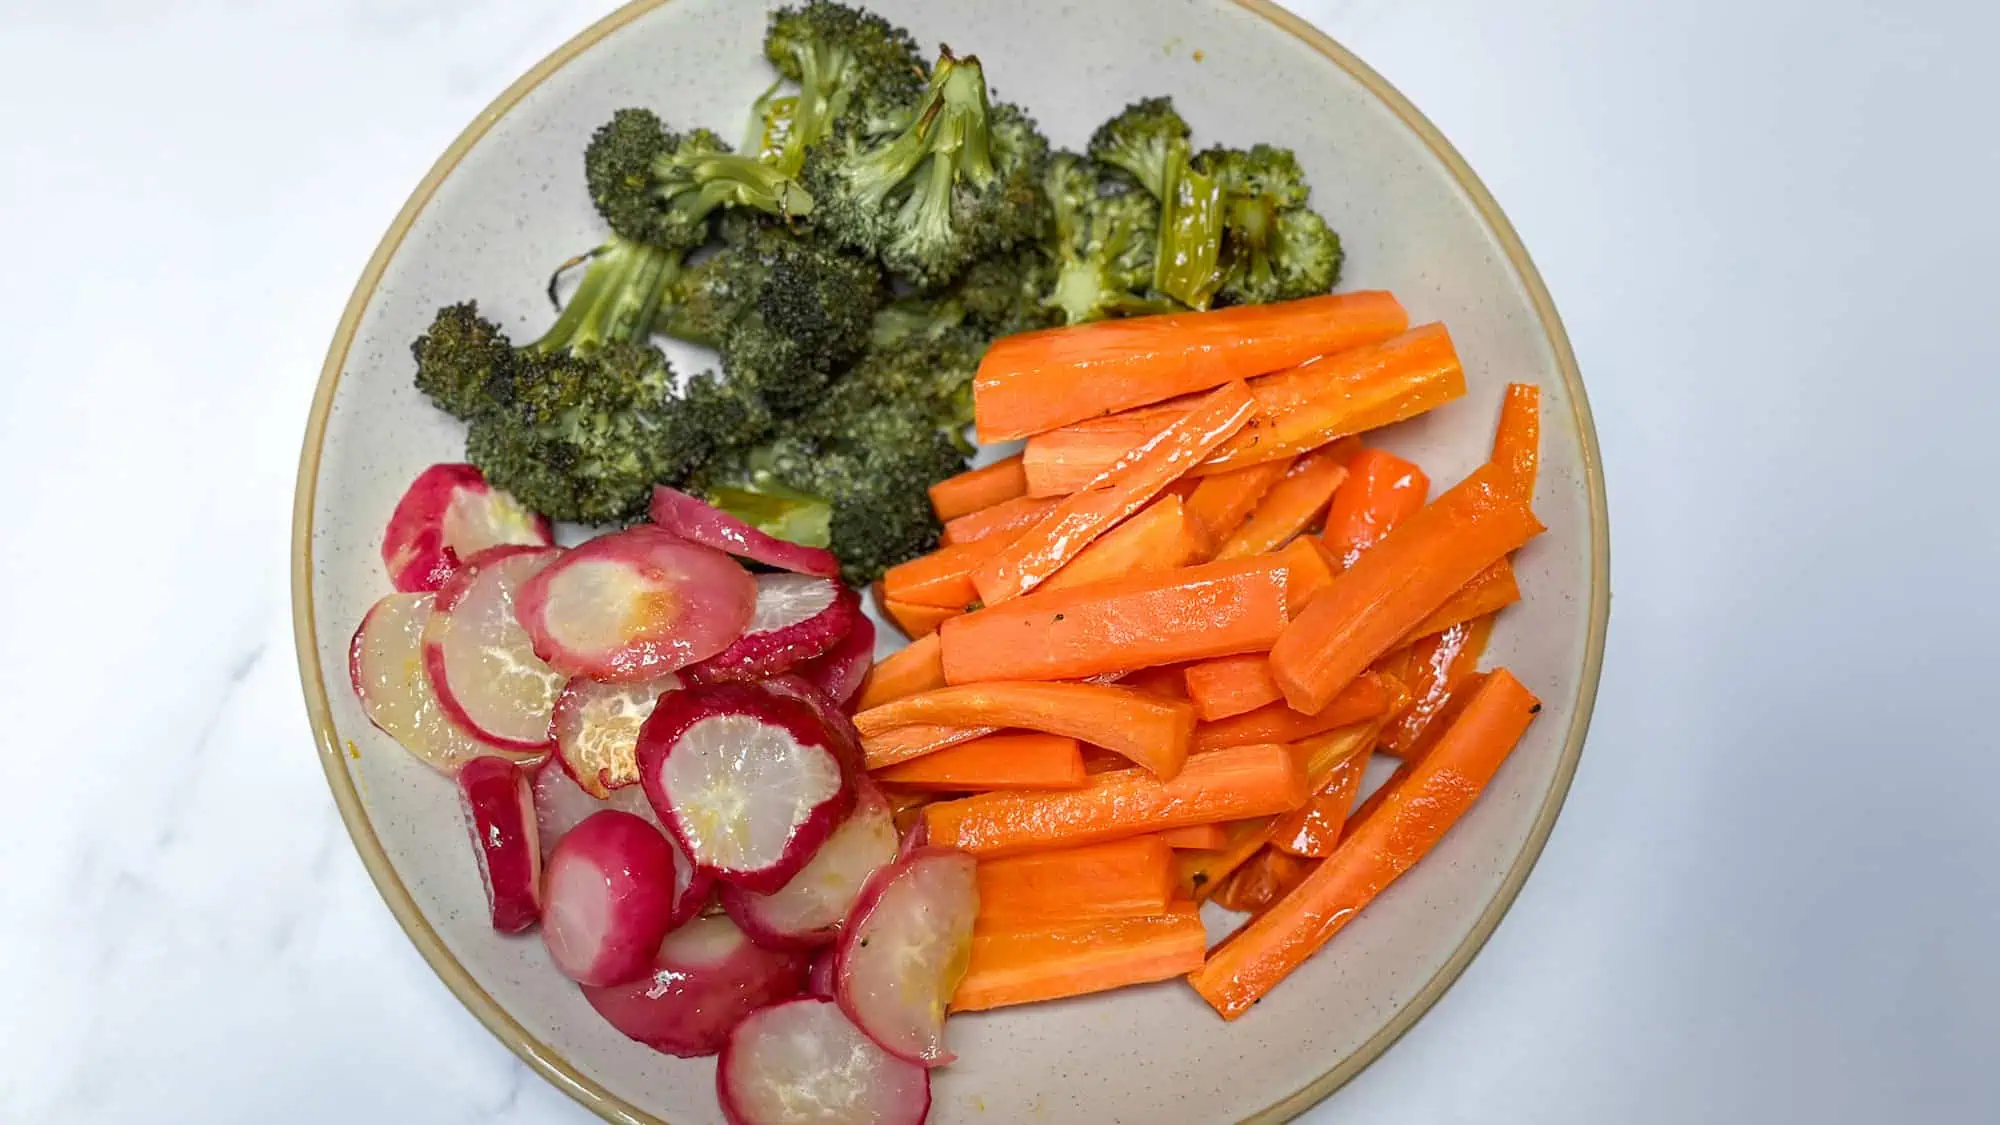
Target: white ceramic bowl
<point x="507" y="200"/>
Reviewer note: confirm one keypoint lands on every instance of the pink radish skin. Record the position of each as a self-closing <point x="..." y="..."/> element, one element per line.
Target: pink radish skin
<point x="560" y="805"/>
<point x="635" y="605"/>
<point x="839" y="672"/>
<point x="749" y="781"/>
<point x="904" y="950"/>
<point x="808" y="910"/>
<point x="479" y="658"/>
<point x="448" y="514"/>
<point x="819" y="979"/>
<point x="704" y="978"/>
<point x="804" y="1062"/>
<point x="699" y="522"/>
<point x="597" y="730"/>
<point x="500" y="817"/>
<point x="608" y="898"/>
<point x="385" y="663"/>
<point x="798" y="617"/>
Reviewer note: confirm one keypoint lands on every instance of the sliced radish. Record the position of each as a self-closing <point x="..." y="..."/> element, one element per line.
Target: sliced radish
<point x="750" y="781"/>
<point x="609" y="898"/>
<point x="479" y="658"/>
<point x="804" y="1062"/>
<point x="597" y="730"/>
<point x="840" y="671"/>
<point x="819" y="979"/>
<point x="905" y="949"/>
<point x="635" y="605"/>
<point x="797" y="618"/>
<point x="700" y="522"/>
<point x="448" y="514"/>
<point x="386" y="664"/>
<point x="705" y="977"/>
<point x="561" y="804"/>
<point x="846" y="739"/>
<point x="808" y="910"/>
<point x="500" y="815"/>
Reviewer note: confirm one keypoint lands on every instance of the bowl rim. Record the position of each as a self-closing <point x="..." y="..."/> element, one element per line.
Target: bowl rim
<point x="560" y="1071"/>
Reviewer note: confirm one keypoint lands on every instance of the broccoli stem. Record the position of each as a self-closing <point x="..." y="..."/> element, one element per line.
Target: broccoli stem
<point x="696" y="185"/>
<point x="617" y="299"/>
<point x="1190" y="245"/>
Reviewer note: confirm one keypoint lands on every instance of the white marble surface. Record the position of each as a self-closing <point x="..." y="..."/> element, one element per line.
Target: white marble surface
<point x="1770" y="227"/>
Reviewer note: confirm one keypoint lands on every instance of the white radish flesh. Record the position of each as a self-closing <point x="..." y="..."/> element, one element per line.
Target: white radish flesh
<point x="906" y="948"/>
<point x="805" y="1063"/>
<point x="797" y="618"/>
<point x="385" y="662"/>
<point x="560" y="805"/>
<point x="480" y="659"/>
<point x="705" y="977"/>
<point x="447" y="515"/>
<point x="608" y="899"/>
<point x="597" y="730"/>
<point x="809" y="909"/>
<point x="500" y="817"/>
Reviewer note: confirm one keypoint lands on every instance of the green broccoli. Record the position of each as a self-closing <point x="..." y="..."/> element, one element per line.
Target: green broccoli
<point x="772" y="116"/>
<point x="458" y="359"/>
<point x="659" y="187"/>
<point x="1141" y="140"/>
<point x="1003" y="294"/>
<point x="845" y="61"/>
<point x="1148" y="141"/>
<point x="1105" y="233"/>
<point x="1273" y="248"/>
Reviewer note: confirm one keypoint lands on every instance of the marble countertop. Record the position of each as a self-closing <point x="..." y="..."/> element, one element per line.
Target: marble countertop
<point x="1770" y="228"/>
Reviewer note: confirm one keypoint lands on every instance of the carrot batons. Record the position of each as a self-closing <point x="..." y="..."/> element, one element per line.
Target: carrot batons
<point x="974" y="489"/>
<point x="918" y="621"/>
<point x="1367" y="697"/>
<point x="942" y="578"/>
<point x="1489" y="592"/>
<point x="1312" y="831"/>
<point x="1262" y="880"/>
<point x="1026" y="760"/>
<point x="917" y="666"/>
<point x="1221" y="502"/>
<point x="1309" y="568"/>
<point x="1517" y="440"/>
<point x="1150" y="731"/>
<point x="1159" y="537"/>
<point x="1008" y="516"/>
<point x="1023" y="964"/>
<point x="1200" y="874"/>
<point x="1232" y="685"/>
<point x="1195" y="837"/>
<point x="1290" y="505"/>
<point x="1381" y="491"/>
<point x="1121" y="878"/>
<point x="1434" y="668"/>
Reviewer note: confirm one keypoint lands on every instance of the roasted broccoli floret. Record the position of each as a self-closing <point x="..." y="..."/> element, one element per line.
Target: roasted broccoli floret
<point x="1003" y="294"/>
<point x="1105" y="235"/>
<point x="1273" y="247"/>
<point x="459" y="357"/>
<point x="845" y="61"/>
<point x="1148" y="141"/>
<point x="1141" y="141"/>
<point x="954" y="183"/>
<point x="659" y="187"/>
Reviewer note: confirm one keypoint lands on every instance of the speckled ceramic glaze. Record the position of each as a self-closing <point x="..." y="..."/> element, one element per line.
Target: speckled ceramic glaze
<point x="507" y="202"/>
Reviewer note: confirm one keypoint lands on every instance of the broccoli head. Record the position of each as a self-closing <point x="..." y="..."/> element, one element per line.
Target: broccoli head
<point x="1141" y="140"/>
<point x="1105" y="234"/>
<point x="845" y="61"/>
<point x="1003" y="294"/>
<point x="659" y="187"/>
<point x="458" y="359"/>
<point x="1273" y="247"/>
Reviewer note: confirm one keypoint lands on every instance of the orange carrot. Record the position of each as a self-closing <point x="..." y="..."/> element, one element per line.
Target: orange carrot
<point x="1381" y="491"/>
<point x="1366" y="697"/>
<point x="1290" y="505"/>
<point x="904" y="744"/>
<point x="1152" y="732"/>
<point x="978" y="488"/>
<point x="942" y="578"/>
<point x="1321" y="754"/>
<point x="1243" y="781"/>
<point x="1065" y="461"/>
<point x="1222" y="501"/>
<point x="1124" y="487"/>
<point x="1016" y="515"/>
<point x="1313" y="831"/>
<point x="1262" y="880"/>
<point x="917" y="666"/>
<point x="1490" y="591"/>
<point x="1159" y="537"/>
<point x="997" y="761"/>
<point x="1200" y="874"/>
<point x="1414" y="812"/>
<point x="1037" y="381"/>
<point x="1435" y="668"/>
<point x="918" y="621"/>
<point x="1192" y="613"/>
<point x="1020" y="965"/>
<point x="1231" y="685"/>
<point x="1196" y="837"/>
<point x="1395" y="584"/>
<point x="1297" y="410"/>
<point x="1166" y="680"/>
<point x="1309" y="567"/>
<point x="1121" y="878"/>
<point x="907" y="807"/>
<point x="1517" y="441"/>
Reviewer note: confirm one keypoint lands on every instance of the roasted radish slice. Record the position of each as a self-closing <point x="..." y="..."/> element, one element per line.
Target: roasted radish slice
<point x="905" y="949"/>
<point x="705" y="977"/>
<point x="609" y="898"/>
<point x="797" y="618"/>
<point x="386" y="663"/>
<point x="448" y="515"/>
<point x="635" y="605"/>
<point x="819" y="979"/>
<point x="803" y="1062"/>
<point x="699" y="522"/>
<point x="597" y="730"/>
<point x="561" y="804"/>
<point x="500" y="815"/>
<point x="839" y="672"/>
<point x="749" y="781"/>
<point x="479" y="658"/>
<point x="808" y="910"/>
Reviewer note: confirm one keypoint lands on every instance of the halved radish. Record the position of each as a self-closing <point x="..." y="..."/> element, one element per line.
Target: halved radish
<point x="609" y="898"/>
<point x="797" y="618"/>
<point x="447" y="515"/>
<point x="808" y="910"/>
<point x="386" y="663"/>
<point x="804" y="1062"/>
<point x="840" y="670"/>
<point x="635" y="605"/>
<point x="705" y="977"/>
<point x="699" y="522"/>
<point x="905" y="949"/>
<point x="479" y="658"/>
<point x="749" y="781"/>
<point x="819" y="979"/>
<point x="500" y="816"/>
<point x="597" y="730"/>
<point x="561" y="804"/>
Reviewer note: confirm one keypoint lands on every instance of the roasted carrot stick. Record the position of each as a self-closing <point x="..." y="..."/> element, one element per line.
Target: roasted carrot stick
<point x="1200" y="874"/>
<point x="1231" y="685"/>
<point x="918" y="621"/>
<point x="1151" y="731"/>
<point x="1262" y="880"/>
<point x="998" y="761"/>
<point x="1037" y="381"/>
<point x="1196" y="837"/>
<point x="903" y="744"/>
<point x="1290" y="505"/>
<point x="1124" y="487"/>
<point x="1221" y="502"/>
<point x="1517" y="441"/>
<point x="978" y="488"/>
<point x="1416" y="809"/>
<point x="1243" y="781"/>
<point x="1192" y="613"/>
<point x="1309" y="567"/>
<point x="917" y="666"/>
<point x="1366" y="697"/>
<point x="1064" y="461"/>
<point x="1007" y="516"/>
<point x="1434" y="668"/>
<point x="1397" y="583"/>
<point x="1381" y="491"/>
<point x="908" y="808"/>
<point x="1121" y="878"/>
<point x="1312" y="831"/>
<point x="1490" y="591"/>
<point x="942" y="578"/>
<point x="1158" y="537"/>
<point x="1165" y="680"/>
<point x="1019" y="965"/>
